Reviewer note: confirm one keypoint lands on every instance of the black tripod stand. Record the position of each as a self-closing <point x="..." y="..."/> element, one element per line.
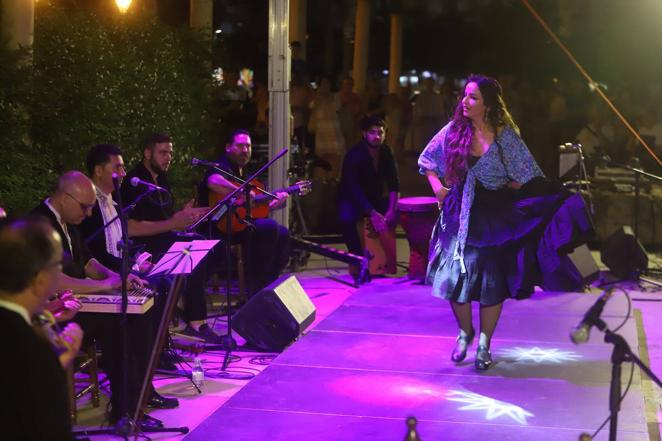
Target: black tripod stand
<point x="226" y="207"/>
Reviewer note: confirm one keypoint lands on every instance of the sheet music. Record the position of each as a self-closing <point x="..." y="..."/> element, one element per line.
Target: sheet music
<point x="182" y="257"/>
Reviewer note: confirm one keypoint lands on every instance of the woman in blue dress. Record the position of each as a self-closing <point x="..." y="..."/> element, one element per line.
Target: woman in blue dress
<point x="503" y="228"/>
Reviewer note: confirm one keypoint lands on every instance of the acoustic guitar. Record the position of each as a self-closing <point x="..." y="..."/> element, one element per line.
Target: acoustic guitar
<point x="259" y="205"/>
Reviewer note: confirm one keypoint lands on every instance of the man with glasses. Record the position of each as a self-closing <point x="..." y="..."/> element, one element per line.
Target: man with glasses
<point x="73" y="201"/>
<point x="34" y="399"/>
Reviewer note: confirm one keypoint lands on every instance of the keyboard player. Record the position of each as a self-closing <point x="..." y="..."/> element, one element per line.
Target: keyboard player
<point x="73" y="201"/>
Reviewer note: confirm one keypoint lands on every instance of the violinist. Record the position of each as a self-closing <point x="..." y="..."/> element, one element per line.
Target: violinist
<point x="34" y="388"/>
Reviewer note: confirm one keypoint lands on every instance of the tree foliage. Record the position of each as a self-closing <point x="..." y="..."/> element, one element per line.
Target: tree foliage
<point x="95" y="80"/>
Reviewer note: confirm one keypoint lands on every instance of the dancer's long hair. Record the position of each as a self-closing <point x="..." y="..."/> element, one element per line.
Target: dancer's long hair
<point x="461" y="130"/>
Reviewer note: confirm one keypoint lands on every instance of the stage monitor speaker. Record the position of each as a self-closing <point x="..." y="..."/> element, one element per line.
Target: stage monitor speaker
<point x="585" y="264"/>
<point x="623" y="254"/>
<point x="275" y="316"/>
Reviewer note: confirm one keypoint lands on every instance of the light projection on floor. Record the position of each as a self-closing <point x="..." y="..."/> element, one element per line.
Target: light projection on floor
<point x="539" y="355"/>
<point x="389" y="390"/>
<point x="493" y="408"/>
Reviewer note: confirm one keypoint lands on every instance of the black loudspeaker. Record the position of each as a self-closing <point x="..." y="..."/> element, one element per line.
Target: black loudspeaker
<point x="585" y="264"/>
<point x="275" y="316"/>
<point x="623" y="254"/>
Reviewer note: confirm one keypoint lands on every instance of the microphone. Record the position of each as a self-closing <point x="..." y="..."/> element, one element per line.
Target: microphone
<point x="196" y="161"/>
<point x="581" y="333"/>
<point x="135" y="181"/>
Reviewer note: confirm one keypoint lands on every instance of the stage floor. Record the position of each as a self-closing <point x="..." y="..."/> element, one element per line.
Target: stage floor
<point x="384" y="355"/>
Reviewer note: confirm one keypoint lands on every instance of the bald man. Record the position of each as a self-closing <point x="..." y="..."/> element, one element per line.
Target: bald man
<point x="34" y="398"/>
<point x="71" y="202"/>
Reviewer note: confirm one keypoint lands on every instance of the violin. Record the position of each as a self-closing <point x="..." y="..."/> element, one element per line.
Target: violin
<point x="46" y="325"/>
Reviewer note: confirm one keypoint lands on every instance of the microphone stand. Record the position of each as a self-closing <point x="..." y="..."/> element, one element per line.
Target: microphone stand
<point x="125" y="425"/>
<point x="228" y="343"/>
<point x="621" y="353"/>
<point x="121" y="211"/>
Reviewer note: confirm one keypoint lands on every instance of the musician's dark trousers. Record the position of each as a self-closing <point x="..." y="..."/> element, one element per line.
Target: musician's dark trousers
<point x="349" y="215"/>
<point x="266" y="250"/>
<point x="105" y="329"/>
<point x="267" y="253"/>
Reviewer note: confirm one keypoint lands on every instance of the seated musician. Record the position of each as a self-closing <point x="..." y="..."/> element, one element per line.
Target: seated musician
<point x="34" y="399"/>
<point x="72" y="201"/>
<point x="369" y="185"/>
<point x="104" y="160"/>
<point x="154" y="223"/>
<point x="268" y="250"/>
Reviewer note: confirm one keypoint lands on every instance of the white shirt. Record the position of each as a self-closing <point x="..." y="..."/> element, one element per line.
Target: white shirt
<point x="67" y="239"/>
<point x="18" y="309"/>
<point x="108" y="212"/>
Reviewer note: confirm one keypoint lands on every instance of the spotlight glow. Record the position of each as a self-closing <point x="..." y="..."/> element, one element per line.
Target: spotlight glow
<point x="540" y="355"/>
<point x="493" y="408"/>
<point x="123" y="5"/>
<point x="389" y="390"/>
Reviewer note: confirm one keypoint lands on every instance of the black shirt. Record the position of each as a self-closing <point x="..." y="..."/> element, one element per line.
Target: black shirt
<point x="362" y="184"/>
<point x="224" y="164"/>
<point x="34" y="398"/>
<point x="155" y="206"/>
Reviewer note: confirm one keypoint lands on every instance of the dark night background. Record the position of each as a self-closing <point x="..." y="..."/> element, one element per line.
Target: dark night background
<point x="615" y="40"/>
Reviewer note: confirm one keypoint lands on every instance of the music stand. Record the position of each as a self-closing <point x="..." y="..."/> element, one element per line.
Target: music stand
<point x="180" y="260"/>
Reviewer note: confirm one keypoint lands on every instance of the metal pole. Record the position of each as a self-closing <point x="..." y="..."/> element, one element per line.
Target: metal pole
<point x="279" y="97"/>
<point x="361" y="43"/>
<point x="395" y="62"/>
<point x="299" y="23"/>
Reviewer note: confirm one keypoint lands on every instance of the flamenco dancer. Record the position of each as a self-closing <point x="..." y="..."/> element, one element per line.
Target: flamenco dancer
<point x="503" y="227"/>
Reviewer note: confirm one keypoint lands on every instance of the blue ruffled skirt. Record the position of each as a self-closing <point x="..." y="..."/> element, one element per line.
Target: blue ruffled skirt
<point x="517" y="239"/>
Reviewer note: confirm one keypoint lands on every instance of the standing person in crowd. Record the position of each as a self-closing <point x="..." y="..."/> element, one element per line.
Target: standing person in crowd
<point x="428" y="110"/>
<point x="325" y="124"/>
<point x="349" y="112"/>
<point x="369" y="186"/>
<point x="503" y="228"/>
<point x="35" y="401"/>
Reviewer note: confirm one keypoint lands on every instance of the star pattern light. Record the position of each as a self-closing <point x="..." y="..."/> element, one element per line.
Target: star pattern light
<point x="540" y="355"/>
<point x="493" y="408"/>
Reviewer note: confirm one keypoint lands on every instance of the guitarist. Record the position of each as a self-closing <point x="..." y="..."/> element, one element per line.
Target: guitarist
<point x="266" y="245"/>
